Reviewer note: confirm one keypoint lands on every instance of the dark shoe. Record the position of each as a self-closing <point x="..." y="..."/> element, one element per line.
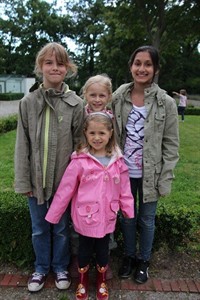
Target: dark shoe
<point x="141" y="274"/>
<point x="127" y="266"/>
<point x="62" y="280"/>
<point x="36" y="282"/>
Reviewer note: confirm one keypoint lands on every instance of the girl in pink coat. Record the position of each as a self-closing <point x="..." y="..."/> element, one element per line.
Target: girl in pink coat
<point x="97" y="183"/>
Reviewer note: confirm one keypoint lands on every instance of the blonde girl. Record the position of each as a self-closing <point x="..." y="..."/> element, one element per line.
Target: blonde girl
<point x="49" y="126"/>
<point x="97" y="93"/>
<point x="97" y="182"/>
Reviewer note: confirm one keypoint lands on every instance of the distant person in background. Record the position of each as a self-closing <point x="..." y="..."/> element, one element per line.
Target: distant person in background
<point x="182" y="103"/>
<point x="49" y="126"/>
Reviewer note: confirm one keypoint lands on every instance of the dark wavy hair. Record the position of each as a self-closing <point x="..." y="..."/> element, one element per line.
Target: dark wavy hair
<point x="153" y="52"/>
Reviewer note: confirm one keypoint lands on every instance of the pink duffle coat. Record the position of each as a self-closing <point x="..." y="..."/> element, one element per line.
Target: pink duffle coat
<point x="97" y="194"/>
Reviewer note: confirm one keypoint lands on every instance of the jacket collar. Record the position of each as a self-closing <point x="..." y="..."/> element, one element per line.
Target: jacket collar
<point x="117" y="154"/>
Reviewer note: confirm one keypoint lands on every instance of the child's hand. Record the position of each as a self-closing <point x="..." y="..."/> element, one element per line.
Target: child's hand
<point x="29" y="194"/>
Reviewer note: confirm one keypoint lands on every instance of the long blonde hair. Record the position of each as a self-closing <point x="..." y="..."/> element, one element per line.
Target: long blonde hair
<point x="105" y="119"/>
<point x="61" y="56"/>
<point x="102" y="79"/>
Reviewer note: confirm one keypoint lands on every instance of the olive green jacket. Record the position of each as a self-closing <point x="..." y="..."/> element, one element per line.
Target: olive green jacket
<point x="161" y="136"/>
<point x="49" y="127"/>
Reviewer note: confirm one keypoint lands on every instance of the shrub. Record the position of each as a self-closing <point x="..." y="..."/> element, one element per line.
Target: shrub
<point x="195" y="111"/>
<point x="11" y="96"/>
<point x="15" y="230"/>
<point x="8" y="123"/>
<point x="174" y="226"/>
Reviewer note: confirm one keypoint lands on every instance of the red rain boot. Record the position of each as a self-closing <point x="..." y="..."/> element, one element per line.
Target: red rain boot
<point x="82" y="289"/>
<point x="102" y="289"/>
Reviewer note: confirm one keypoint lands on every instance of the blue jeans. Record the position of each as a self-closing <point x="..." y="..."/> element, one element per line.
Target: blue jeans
<point x="144" y="221"/>
<point x="50" y="242"/>
<point x="181" y="112"/>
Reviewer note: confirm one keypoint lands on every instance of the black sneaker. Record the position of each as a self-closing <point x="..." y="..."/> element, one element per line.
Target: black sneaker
<point x="141" y="274"/>
<point x="62" y="280"/>
<point x="127" y="266"/>
<point x="36" y="282"/>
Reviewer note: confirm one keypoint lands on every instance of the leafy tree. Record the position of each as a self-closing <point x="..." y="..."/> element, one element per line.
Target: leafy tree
<point x="161" y="23"/>
<point x="88" y="28"/>
<point x="27" y="26"/>
<point x="106" y="33"/>
<point x="123" y="33"/>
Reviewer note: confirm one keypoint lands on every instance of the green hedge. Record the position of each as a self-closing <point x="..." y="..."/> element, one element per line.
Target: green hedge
<point x="174" y="228"/>
<point x="8" y="123"/>
<point x="15" y="230"/>
<point x="11" y="96"/>
<point x="190" y="110"/>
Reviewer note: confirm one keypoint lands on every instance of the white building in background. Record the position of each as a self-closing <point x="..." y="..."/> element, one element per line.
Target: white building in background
<point x="15" y="84"/>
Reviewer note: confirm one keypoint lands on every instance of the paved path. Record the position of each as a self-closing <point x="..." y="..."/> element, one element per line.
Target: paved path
<point x="8" y="108"/>
<point x="14" y="286"/>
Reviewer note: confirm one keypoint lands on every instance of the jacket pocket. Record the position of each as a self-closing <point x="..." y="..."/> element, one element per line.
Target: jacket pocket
<point x="159" y="121"/>
<point x="89" y="213"/>
<point x="114" y="208"/>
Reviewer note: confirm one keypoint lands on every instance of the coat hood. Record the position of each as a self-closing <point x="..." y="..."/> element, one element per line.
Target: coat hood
<point x="117" y="154"/>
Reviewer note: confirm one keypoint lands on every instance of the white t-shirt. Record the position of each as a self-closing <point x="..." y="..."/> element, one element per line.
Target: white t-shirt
<point x="182" y="100"/>
<point x="133" y="150"/>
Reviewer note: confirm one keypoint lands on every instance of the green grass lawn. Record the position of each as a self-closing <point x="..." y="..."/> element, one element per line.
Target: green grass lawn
<point x="185" y="188"/>
<point x="7" y="145"/>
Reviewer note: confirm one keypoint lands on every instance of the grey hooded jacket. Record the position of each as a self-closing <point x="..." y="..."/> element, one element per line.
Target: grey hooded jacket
<point x="49" y="127"/>
<point x="161" y="136"/>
